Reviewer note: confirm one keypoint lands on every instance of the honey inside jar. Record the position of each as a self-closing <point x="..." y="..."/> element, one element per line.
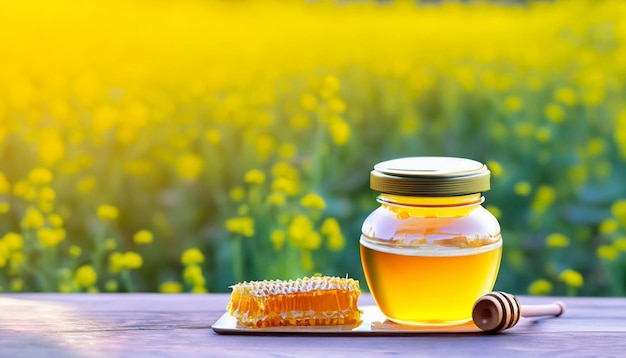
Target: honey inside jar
<point x="430" y="288"/>
<point x="427" y="259"/>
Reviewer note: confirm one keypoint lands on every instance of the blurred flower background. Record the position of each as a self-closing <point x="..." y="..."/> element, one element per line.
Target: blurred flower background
<point x="182" y="146"/>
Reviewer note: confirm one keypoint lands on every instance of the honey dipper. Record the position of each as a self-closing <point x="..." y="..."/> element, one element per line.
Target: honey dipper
<point x="497" y="311"/>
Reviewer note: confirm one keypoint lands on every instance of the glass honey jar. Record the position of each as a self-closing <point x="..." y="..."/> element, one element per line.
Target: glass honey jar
<point x="430" y="250"/>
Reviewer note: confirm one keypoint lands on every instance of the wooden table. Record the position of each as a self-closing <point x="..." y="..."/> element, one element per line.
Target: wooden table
<point x="135" y="325"/>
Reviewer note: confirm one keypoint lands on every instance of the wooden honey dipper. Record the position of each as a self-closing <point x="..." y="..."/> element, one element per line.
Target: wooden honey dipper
<point x="497" y="311"/>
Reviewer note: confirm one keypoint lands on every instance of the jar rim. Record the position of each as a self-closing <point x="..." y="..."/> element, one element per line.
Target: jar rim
<point x="430" y="176"/>
<point x="442" y="202"/>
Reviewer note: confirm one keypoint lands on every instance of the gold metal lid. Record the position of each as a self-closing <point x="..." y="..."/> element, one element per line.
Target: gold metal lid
<point x="430" y="176"/>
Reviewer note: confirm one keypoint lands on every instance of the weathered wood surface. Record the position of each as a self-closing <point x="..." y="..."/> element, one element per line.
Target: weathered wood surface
<point x="138" y="325"/>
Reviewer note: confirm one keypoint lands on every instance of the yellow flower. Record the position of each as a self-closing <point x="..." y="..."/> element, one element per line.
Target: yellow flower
<point x="86" y="185"/>
<point x="264" y="145"/>
<point x="540" y="287"/>
<point x="276" y="199"/>
<point x="608" y="226"/>
<point x="128" y="260"/>
<point x="618" y="209"/>
<point x="544" y="197"/>
<point x="170" y="287"/>
<point x="524" y="129"/>
<point x="30" y="194"/>
<point x="116" y="262"/>
<point x="189" y="166"/>
<point x="111" y="286"/>
<point x="335" y="242"/>
<point x="4" y="207"/>
<point x="312" y="241"/>
<point x="33" y="219"/>
<point x="578" y="174"/>
<point x="607" y="252"/>
<point x="620" y="244"/>
<point x="55" y="220"/>
<point x="192" y="275"/>
<point x="339" y="131"/>
<point x="336" y="105"/>
<point x="565" y="95"/>
<point x="5" y="250"/>
<point x="17" y="260"/>
<point x="557" y="240"/>
<point x="512" y="103"/>
<point x="86" y="276"/>
<point x="495" y="168"/>
<point x="287" y="186"/>
<point x="108" y="212"/>
<point x="17" y="285"/>
<point x="554" y="113"/>
<point x="192" y="256"/>
<point x="241" y="225"/>
<point x="595" y="146"/>
<point x="254" y="176"/>
<point x="543" y="135"/>
<point x="64" y="273"/>
<point x="20" y="189"/>
<point x="285" y="170"/>
<point x="300" y="122"/>
<point x="75" y="250"/>
<point x="572" y="278"/>
<point x="243" y="210"/>
<point x="330" y="226"/>
<point x="198" y="289"/>
<point x="50" y="237"/>
<point x="298" y="229"/>
<point x="47" y="193"/>
<point x="287" y="150"/>
<point x="65" y="287"/>
<point x="313" y="201"/>
<point x="277" y="237"/>
<point x="522" y="188"/>
<point x="132" y="260"/>
<point x="213" y="136"/>
<point x="110" y="244"/>
<point x="331" y="84"/>
<point x="40" y="176"/>
<point x="308" y="102"/>
<point x="237" y="194"/>
<point x="593" y="97"/>
<point x="45" y="206"/>
<point x="13" y="241"/>
<point x="142" y="237"/>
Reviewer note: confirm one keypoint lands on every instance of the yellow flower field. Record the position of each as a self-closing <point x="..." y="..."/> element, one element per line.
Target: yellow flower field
<point x="187" y="145"/>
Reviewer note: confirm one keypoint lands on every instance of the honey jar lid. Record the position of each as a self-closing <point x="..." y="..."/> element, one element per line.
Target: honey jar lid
<point x="430" y="176"/>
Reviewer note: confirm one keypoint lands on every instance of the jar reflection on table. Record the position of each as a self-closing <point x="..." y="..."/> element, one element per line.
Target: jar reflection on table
<point x="427" y="259"/>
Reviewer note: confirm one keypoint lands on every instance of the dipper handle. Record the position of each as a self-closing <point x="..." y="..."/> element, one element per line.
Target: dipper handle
<point x="497" y="311"/>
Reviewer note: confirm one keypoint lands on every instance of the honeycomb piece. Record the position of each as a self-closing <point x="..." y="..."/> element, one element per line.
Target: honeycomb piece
<point x="314" y="301"/>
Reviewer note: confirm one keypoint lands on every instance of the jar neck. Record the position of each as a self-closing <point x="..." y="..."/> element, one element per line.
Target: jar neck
<point x="445" y="206"/>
